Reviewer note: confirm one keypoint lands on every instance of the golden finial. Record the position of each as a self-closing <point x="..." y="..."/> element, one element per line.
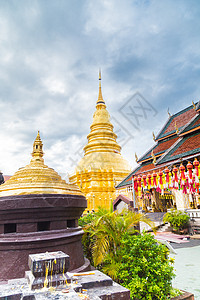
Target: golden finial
<point x="169" y="113"/>
<point x="153" y="156"/>
<point x="37" y="153"/>
<point x="100" y="76"/>
<point x="154" y="138"/>
<point x="194" y="106"/>
<point x="176" y="127"/>
<point x="100" y="97"/>
<point x="136" y="157"/>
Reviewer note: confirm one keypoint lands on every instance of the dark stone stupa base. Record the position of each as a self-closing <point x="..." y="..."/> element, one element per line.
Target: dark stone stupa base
<point x="32" y="224"/>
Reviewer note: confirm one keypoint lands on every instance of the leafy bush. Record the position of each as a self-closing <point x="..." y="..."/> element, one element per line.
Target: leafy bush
<point x="136" y="261"/>
<point x="178" y="220"/>
<point x="145" y="268"/>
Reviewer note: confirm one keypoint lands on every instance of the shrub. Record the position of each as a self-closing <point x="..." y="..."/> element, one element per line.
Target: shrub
<point x="178" y="220"/>
<point x="103" y="233"/>
<point x="145" y="268"/>
<point x="135" y="261"/>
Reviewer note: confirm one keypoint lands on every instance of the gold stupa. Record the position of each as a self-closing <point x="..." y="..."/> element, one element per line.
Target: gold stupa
<point x="102" y="166"/>
<point x="37" y="178"/>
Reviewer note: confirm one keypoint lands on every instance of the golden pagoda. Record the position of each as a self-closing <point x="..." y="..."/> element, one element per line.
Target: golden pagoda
<point x="102" y="166"/>
<point x="37" y="178"/>
<point x="39" y="212"/>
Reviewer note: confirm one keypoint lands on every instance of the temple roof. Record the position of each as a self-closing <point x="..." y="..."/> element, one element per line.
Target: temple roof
<point x="37" y="178"/>
<point x="193" y="125"/>
<point x="186" y="146"/>
<point x="159" y="148"/>
<point x="180" y="119"/>
<point x="179" y="139"/>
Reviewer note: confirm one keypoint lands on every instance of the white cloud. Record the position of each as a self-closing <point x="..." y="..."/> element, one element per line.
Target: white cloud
<point x="50" y="56"/>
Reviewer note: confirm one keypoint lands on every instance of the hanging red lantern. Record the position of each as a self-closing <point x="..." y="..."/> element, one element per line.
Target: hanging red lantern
<point x="144" y="181"/>
<point x="149" y="181"/>
<point x="196" y="164"/>
<point x="167" y="175"/>
<point x="183" y="179"/>
<point x="139" y="181"/>
<point x="175" y="171"/>
<point x="182" y="170"/>
<point x="190" y="167"/>
<point x="160" y="179"/>
<point x="135" y="184"/>
<point x="154" y="179"/>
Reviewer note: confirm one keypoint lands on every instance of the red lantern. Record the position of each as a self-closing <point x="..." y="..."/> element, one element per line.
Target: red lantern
<point x="182" y="170"/>
<point x="175" y="171"/>
<point x="190" y="167"/>
<point x="149" y="180"/>
<point x="139" y="181"/>
<point x="160" y="175"/>
<point x="167" y="174"/>
<point x="154" y="179"/>
<point x="144" y="181"/>
<point x="196" y="164"/>
<point x="135" y="184"/>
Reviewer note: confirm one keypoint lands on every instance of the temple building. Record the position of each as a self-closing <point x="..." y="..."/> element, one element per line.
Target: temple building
<point x="39" y="212"/>
<point x="102" y="166"/>
<point x="177" y="143"/>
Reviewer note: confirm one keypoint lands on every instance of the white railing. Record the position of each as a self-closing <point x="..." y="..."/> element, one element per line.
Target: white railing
<point x="193" y="213"/>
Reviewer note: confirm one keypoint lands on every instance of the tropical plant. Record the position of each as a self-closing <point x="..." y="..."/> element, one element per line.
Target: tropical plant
<point x="178" y="220"/>
<point x="87" y="240"/>
<point x="145" y="268"/>
<point x="114" y="245"/>
<point x="103" y="236"/>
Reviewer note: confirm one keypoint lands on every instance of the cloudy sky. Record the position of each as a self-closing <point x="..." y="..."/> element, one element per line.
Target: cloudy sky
<point x="50" y="54"/>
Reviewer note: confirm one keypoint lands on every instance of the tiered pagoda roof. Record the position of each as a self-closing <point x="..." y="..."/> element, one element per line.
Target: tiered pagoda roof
<point x="177" y="141"/>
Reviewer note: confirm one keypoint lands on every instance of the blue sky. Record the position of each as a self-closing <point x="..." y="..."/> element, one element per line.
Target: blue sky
<point x="50" y="54"/>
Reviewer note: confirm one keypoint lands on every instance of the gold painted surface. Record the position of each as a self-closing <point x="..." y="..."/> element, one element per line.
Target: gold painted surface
<point x="37" y="178"/>
<point x="102" y="166"/>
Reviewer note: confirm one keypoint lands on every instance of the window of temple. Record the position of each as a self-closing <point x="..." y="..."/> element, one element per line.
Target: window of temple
<point x="43" y="226"/>
<point x="36" y="146"/>
<point x="10" y="228"/>
<point x="71" y="223"/>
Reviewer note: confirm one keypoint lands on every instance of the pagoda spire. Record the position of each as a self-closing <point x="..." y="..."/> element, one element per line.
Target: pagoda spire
<point x="37" y="153"/>
<point x="100" y="97"/>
